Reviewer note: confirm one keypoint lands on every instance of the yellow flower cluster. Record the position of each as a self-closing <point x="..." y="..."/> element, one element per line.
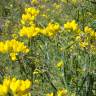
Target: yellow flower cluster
<point x="13" y="47"/>
<point x="49" y="94"/>
<point x="60" y="92"/>
<point x="83" y="44"/>
<point x="90" y="31"/>
<point x="15" y="87"/>
<point x="72" y="25"/>
<point x="29" y="15"/>
<point x="29" y="31"/>
<point x="51" y="29"/>
<point x="87" y="38"/>
<point x="28" y="19"/>
<point x="4" y="87"/>
<point x="32" y="30"/>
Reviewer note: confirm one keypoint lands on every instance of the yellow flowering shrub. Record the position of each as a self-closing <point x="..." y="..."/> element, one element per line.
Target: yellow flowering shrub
<point x="13" y="47"/>
<point x="89" y="31"/>
<point x="62" y="92"/>
<point x="51" y="29"/>
<point x="61" y="41"/>
<point x="20" y="87"/>
<point x="72" y="25"/>
<point x="15" y="87"/>
<point x="83" y="44"/>
<point x="29" y="15"/>
<point x="49" y="94"/>
<point x="87" y="38"/>
<point x="4" y="88"/>
<point x="30" y="31"/>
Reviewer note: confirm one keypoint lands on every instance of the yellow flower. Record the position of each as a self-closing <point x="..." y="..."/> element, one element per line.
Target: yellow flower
<point x="26" y="17"/>
<point x="13" y="56"/>
<point x="49" y="94"/>
<point x="13" y="47"/>
<point x="29" y="31"/>
<point x="16" y="87"/>
<point x="60" y="64"/>
<point x="51" y="29"/>
<point x="62" y="92"/>
<point x="83" y="44"/>
<point x="89" y="31"/>
<point x="3" y="90"/>
<point x="20" y="87"/>
<point x="6" y="82"/>
<point x="27" y="83"/>
<point x="2" y="47"/>
<point x="72" y="25"/>
<point x="29" y="15"/>
<point x="33" y="11"/>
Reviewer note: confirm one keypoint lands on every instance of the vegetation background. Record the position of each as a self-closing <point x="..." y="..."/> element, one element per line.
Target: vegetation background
<point x="53" y="62"/>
